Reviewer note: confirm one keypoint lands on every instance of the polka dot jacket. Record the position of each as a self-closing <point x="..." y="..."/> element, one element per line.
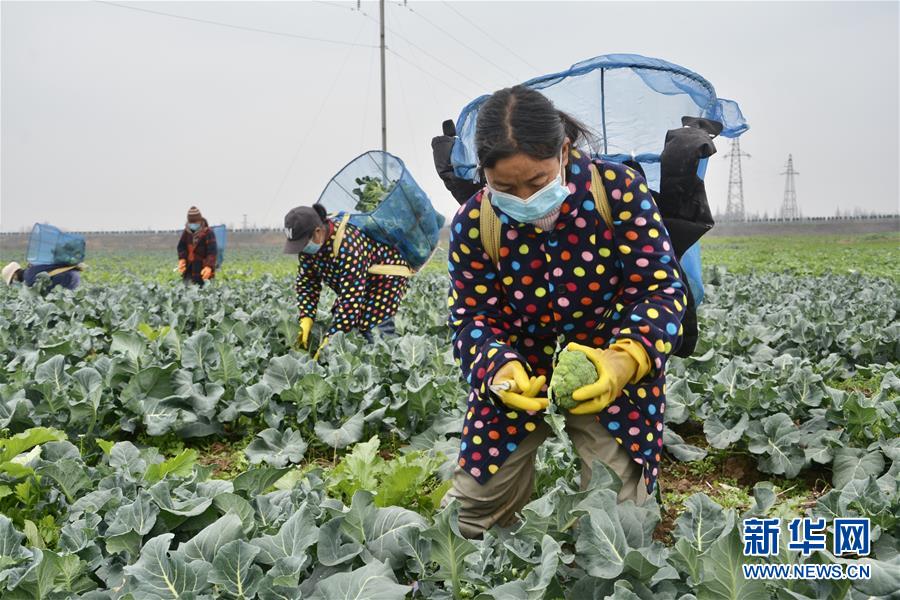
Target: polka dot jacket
<point x="363" y="300"/>
<point x="579" y="282"/>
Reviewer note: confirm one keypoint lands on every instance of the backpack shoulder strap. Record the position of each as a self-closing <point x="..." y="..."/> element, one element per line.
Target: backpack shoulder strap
<point x="489" y="223"/>
<point x="598" y="190"/>
<point x="60" y="270"/>
<point x="339" y="235"/>
<point x="489" y="228"/>
<point x="394" y="270"/>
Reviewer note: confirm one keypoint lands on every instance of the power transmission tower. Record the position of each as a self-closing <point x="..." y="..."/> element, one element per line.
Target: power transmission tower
<point x="734" y="209"/>
<point x="790" y="210"/>
<point x="245" y="221"/>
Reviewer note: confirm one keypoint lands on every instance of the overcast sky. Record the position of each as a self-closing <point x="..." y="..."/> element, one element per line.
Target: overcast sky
<point x="115" y="118"/>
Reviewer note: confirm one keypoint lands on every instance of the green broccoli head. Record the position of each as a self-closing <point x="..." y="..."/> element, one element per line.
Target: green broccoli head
<point x="573" y="370"/>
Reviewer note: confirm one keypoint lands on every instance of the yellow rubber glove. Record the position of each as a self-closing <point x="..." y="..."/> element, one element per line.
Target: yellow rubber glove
<point x="516" y="389"/>
<point x="319" y="350"/>
<point x="623" y="362"/>
<point x="206" y="273"/>
<point x="182" y="265"/>
<point x="306" y="324"/>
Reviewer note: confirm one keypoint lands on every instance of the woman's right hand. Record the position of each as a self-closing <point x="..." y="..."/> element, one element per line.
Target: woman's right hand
<point x="182" y="265"/>
<point x="517" y="390"/>
<point x="306" y="324"/>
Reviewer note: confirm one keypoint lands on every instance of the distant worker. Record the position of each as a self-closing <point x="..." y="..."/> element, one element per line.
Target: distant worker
<point x="197" y="249"/>
<point x="367" y="276"/>
<point x="67" y="276"/>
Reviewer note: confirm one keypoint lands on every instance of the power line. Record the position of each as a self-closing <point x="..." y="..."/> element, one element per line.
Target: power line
<point x="426" y="72"/>
<point x="490" y="36"/>
<point x="313" y="122"/>
<point x="431" y="56"/>
<point x="462" y="43"/>
<point x="339" y="6"/>
<point x="240" y="27"/>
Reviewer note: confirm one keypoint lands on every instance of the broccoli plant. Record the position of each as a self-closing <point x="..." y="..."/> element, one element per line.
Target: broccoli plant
<point x="370" y="193"/>
<point x="573" y="370"/>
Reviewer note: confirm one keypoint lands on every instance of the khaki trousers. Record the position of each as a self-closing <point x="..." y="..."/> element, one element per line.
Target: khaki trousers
<point x="509" y="489"/>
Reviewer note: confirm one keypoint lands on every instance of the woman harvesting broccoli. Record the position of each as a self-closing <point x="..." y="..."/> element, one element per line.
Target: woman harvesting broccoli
<point x="612" y="292"/>
<point x="344" y="258"/>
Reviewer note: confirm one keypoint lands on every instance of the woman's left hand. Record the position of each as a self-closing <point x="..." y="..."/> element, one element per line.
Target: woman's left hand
<point x="615" y="368"/>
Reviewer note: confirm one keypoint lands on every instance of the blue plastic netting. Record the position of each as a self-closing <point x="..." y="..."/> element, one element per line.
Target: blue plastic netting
<point x="629" y="101"/>
<point x="693" y="270"/>
<point x="221" y="238"/>
<point x="47" y="245"/>
<point x="405" y="219"/>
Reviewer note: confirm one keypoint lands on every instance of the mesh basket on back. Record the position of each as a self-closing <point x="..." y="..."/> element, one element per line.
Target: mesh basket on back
<point x="221" y="235"/>
<point x="404" y="219"/>
<point x="627" y="101"/>
<point x="47" y="245"/>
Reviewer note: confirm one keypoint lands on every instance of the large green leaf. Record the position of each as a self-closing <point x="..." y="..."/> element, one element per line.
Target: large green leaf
<point x="233" y="569"/>
<point x="53" y="373"/>
<point x="157" y="575"/>
<point x="180" y="466"/>
<point x="296" y="535"/>
<point x="198" y="351"/>
<point x="276" y="448"/>
<point x="207" y="543"/>
<point x="723" y="435"/>
<point x="247" y="399"/>
<point x="702" y="523"/>
<point x="380" y="530"/>
<point x="601" y="547"/>
<point x="778" y="440"/>
<point x="855" y="463"/>
<point x="22" y="442"/>
<point x="138" y="516"/>
<point x="68" y="474"/>
<point x="723" y="577"/>
<point x="11" y="549"/>
<point x="282" y="373"/>
<point x="256" y="481"/>
<point x="344" y="435"/>
<point x="374" y="581"/>
<point x="359" y="469"/>
<point x="448" y="548"/>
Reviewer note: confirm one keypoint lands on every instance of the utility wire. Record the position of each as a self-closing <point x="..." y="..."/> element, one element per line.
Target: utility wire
<point x="240" y="27"/>
<point x="313" y="122"/>
<point x="430" y="55"/>
<point x="426" y="72"/>
<point x="462" y="43"/>
<point x="489" y="35"/>
<point x="370" y="72"/>
<point x="339" y="6"/>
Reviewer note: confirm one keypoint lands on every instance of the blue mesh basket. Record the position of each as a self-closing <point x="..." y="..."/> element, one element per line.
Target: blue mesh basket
<point x="405" y="219"/>
<point x="47" y="245"/>
<point x="693" y="270"/>
<point x="221" y="235"/>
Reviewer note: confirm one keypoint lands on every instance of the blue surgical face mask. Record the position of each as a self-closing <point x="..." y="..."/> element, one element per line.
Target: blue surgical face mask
<point x="311" y="248"/>
<point x="194" y="226"/>
<point x="535" y="207"/>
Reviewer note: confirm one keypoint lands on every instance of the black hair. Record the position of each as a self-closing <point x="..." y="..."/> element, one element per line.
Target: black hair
<point x="522" y="120"/>
<point x="320" y="210"/>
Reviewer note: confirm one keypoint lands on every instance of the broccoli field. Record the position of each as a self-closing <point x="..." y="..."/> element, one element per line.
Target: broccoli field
<point x="167" y="442"/>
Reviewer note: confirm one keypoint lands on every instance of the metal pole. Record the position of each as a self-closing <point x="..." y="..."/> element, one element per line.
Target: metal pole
<point x="383" y="85"/>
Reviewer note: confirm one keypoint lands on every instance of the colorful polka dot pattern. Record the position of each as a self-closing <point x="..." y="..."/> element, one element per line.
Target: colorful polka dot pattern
<point x="363" y="300"/>
<point x="580" y="281"/>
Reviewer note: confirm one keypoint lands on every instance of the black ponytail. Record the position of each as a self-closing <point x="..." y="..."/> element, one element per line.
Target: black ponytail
<point x="320" y="210"/>
<point x="522" y="120"/>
